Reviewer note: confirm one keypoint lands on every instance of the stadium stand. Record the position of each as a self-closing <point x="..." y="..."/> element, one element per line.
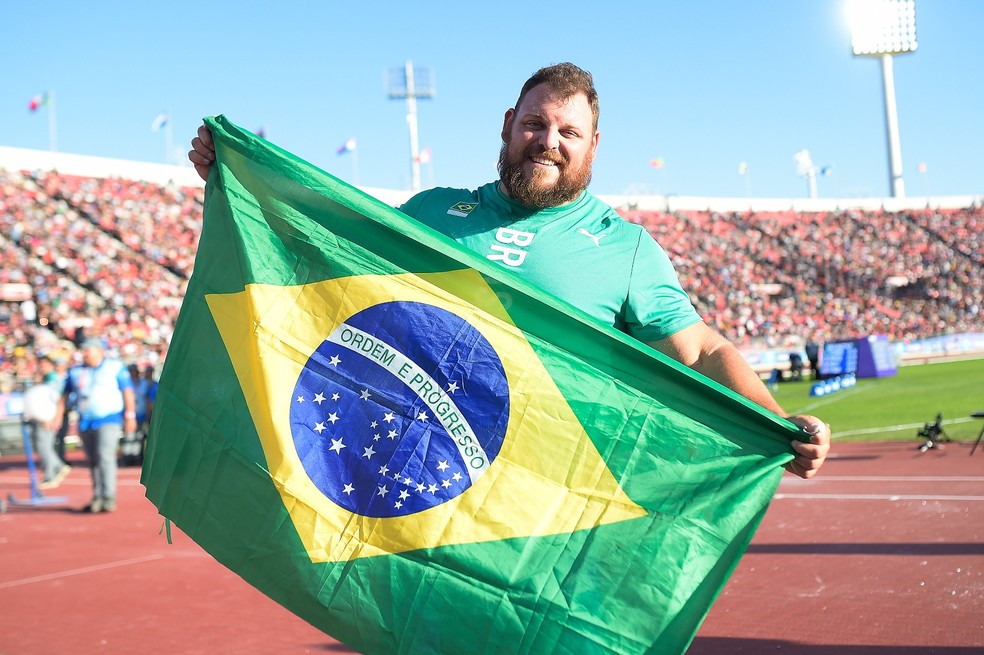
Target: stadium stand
<point x="110" y="255"/>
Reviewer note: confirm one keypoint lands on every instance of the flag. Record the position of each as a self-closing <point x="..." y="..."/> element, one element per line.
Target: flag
<point x="417" y="452"/>
<point x="657" y="163"/>
<point x="37" y="102"/>
<point x="742" y="168"/>
<point x="425" y="156"/>
<point x="159" y="122"/>
<point x="348" y="146"/>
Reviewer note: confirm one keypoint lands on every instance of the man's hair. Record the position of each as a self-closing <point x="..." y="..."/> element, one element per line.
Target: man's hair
<point x="565" y="80"/>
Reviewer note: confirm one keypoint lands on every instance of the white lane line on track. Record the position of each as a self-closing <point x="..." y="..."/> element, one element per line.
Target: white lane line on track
<point x="891" y="497"/>
<point x="897" y="428"/>
<point x="86" y="569"/>
<point x="885" y="478"/>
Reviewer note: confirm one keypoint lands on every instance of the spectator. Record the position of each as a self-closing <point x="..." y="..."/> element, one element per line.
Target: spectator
<point x="101" y="391"/>
<point x="40" y="407"/>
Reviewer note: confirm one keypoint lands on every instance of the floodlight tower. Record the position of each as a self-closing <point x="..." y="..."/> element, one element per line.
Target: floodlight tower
<point x="883" y="28"/>
<point x="411" y="83"/>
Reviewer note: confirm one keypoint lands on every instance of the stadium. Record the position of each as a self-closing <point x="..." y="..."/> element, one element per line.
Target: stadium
<point x="614" y="500"/>
<point x="104" y="247"/>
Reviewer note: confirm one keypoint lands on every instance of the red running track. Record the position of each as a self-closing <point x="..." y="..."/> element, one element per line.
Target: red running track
<point x="882" y="554"/>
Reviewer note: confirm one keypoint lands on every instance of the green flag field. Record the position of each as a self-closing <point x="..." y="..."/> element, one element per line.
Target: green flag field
<point x="418" y="452"/>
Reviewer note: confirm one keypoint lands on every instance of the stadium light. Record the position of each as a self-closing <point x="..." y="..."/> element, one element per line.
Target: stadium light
<point x="883" y="28"/>
<point x="411" y="83"/>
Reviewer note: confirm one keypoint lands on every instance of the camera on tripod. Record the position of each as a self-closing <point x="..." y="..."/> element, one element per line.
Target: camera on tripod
<point x="932" y="434"/>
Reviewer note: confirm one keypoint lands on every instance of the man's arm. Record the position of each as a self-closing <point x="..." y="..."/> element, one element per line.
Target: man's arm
<point x="129" y="410"/>
<point x="709" y="353"/>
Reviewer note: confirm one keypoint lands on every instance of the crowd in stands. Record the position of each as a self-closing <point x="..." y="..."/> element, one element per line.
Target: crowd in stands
<point x="779" y="277"/>
<point x="111" y="258"/>
<point x="103" y="257"/>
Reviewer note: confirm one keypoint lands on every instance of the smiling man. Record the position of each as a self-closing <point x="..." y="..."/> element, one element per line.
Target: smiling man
<point x="540" y="221"/>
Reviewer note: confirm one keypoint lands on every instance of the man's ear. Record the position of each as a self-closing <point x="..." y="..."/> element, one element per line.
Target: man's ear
<point x="507" y="121"/>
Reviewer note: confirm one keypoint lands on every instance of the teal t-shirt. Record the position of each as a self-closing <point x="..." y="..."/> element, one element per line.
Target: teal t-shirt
<point x="583" y="253"/>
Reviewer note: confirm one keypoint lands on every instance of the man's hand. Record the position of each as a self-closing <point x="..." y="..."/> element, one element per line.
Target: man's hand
<point x="809" y="455"/>
<point x="202" y="152"/>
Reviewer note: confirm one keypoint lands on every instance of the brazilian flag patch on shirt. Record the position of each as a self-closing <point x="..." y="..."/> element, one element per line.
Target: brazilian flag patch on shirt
<point x="462" y="208"/>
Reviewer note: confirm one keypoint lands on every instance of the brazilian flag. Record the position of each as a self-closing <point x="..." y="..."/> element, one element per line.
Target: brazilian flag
<point x="417" y="452"/>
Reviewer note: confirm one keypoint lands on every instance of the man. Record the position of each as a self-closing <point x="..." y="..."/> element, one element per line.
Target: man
<point x="102" y="393"/>
<point x="539" y="220"/>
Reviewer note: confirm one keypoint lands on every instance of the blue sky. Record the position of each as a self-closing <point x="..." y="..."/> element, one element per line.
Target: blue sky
<point x="703" y="85"/>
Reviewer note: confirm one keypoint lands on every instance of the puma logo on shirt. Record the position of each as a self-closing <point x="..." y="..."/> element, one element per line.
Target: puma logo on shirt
<point x="594" y="237"/>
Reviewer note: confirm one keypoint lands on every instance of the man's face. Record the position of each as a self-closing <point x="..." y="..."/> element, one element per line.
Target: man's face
<point x="549" y="144"/>
<point x="92" y="356"/>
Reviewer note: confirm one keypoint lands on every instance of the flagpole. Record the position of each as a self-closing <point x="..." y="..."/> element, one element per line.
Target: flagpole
<point x="167" y="139"/>
<point x="52" y="123"/>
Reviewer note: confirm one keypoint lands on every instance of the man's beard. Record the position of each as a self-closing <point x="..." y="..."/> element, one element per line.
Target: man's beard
<point x="529" y="191"/>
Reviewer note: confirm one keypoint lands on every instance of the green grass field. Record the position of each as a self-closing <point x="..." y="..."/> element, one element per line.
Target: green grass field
<point x="895" y="408"/>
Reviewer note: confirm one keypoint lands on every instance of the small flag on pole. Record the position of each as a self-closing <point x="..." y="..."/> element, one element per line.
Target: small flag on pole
<point x="743" y="168"/>
<point x="348" y="146"/>
<point x="657" y="163"/>
<point x="159" y="122"/>
<point x="37" y="102"/>
<point x="425" y="156"/>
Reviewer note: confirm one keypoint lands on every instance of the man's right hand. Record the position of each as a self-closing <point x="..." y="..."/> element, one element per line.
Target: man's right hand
<point x="202" y="153"/>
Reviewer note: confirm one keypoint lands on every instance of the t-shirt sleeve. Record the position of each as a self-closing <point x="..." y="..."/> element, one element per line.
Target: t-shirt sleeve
<point x="656" y="305"/>
<point x="414" y="206"/>
<point x="123" y="378"/>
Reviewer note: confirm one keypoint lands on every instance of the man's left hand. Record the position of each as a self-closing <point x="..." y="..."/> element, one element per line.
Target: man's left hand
<point x="811" y="454"/>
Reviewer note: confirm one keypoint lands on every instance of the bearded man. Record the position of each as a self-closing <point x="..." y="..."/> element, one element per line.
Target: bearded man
<point x="540" y="221"/>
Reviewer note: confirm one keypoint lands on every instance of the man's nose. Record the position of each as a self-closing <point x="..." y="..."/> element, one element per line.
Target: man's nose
<point x="550" y="138"/>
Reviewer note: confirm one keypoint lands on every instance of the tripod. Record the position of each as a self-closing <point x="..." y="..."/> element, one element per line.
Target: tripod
<point x="933" y="433"/>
